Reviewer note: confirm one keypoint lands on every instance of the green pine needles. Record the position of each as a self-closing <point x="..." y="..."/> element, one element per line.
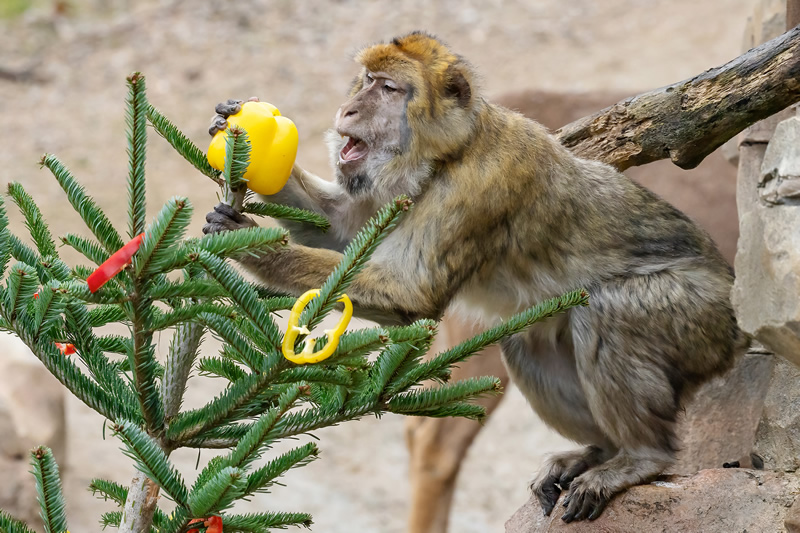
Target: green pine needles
<point x="44" y="302"/>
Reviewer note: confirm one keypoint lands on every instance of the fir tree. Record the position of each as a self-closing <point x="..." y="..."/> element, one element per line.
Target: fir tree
<point x="51" y="308"/>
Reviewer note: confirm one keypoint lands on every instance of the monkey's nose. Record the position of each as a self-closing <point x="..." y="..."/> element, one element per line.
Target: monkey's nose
<point x="350" y="113"/>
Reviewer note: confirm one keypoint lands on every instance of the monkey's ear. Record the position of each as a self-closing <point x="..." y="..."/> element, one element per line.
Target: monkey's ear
<point x="457" y="86"/>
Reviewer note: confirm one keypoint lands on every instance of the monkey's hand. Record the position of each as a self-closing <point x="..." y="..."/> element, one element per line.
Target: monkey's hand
<point x="225" y="218"/>
<point x="224" y="110"/>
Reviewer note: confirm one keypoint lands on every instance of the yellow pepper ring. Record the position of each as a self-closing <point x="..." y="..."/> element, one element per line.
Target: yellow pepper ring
<point x="308" y="355"/>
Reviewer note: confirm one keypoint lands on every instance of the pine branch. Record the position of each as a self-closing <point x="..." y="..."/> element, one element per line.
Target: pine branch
<point x="218" y="493"/>
<point x="387" y="364"/>
<point x="285" y="212"/>
<point x="90" y="249"/>
<point x="78" y="326"/>
<point x="74" y="380"/>
<point x="182" y="144"/>
<point x="5" y="238"/>
<point x="182" y="353"/>
<point x="54" y="268"/>
<point x="316" y="374"/>
<point x="253" y="443"/>
<point x="12" y="525"/>
<point x="237" y="157"/>
<point x="242" y="294"/>
<point x="143" y="362"/>
<point x="219" y="410"/>
<point x="355" y="257"/>
<point x="192" y="288"/>
<point x="263" y="478"/>
<point x="229" y="243"/>
<point x="47" y="310"/>
<point x="262" y="522"/>
<point x="109" y="490"/>
<point x="136" y="120"/>
<point x="114" y="344"/>
<point x="21" y="285"/>
<point x="430" y="398"/>
<point x="94" y="217"/>
<point x="34" y="220"/>
<point x="161" y="238"/>
<point x="161" y="321"/>
<point x="223" y="368"/>
<point x="461" y="410"/>
<point x="106" y="314"/>
<point x="48" y="489"/>
<point x="151" y="460"/>
<point x="227" y="331"/>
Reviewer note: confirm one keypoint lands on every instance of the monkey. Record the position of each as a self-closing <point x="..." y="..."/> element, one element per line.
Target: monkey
<point x="503" y="217"/>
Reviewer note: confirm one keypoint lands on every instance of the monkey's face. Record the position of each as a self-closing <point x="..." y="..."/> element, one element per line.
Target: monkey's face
<point x="411" y="106"/>
<point x="373" y="129"/>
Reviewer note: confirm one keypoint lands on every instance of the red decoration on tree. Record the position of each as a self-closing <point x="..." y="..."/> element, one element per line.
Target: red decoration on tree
<point x="114" y="264"/>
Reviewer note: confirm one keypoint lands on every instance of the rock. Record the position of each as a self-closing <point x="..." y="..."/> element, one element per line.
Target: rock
<point x="35" y="400"/>
<point x="766" y="294"/>
<point x="711" y="501"/>
<point x="18" y="491"/>
<point x="778" y="434"/>
<point x="32" y="413"/>
<point x="720" y="423"/>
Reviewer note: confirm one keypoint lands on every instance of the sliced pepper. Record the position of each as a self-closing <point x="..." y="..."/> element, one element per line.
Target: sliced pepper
<point x="114" y="264"/>
<point x="308" y="355"/>
<point x="65" y="347"/>
<point x="213" y="524"/>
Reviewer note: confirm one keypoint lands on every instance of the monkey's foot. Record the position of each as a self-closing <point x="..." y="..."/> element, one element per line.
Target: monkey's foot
<point x="585" y="500"/>
<point x="560" y="470"/>
<point x="547" y="492"/>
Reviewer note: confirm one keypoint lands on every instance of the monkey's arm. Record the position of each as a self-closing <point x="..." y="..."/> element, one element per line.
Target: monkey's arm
<point x="312" y="193"/>
<point x="304" y="190"/>
<point x="383" y="291"/>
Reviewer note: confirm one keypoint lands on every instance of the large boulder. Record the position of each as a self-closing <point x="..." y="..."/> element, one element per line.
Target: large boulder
<point x="767" y="290"/>
<point x="720" y="423"/>
<point x="711" y="501"/>
<point x="778" y="436"/>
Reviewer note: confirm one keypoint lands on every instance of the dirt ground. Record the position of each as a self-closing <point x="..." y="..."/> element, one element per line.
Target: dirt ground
<point x="297" y="54"/>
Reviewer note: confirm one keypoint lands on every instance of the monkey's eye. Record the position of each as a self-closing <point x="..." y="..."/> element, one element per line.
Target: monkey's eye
<point x="389" y="87"/>
<point x="370" y="78"/>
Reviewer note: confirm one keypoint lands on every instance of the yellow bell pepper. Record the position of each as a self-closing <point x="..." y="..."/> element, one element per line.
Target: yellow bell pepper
<point x="308" y="355"/>
<point x="273" y="142"/>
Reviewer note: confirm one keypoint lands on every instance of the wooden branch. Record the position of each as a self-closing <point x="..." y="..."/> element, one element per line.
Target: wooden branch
<point x="688" y="120"/>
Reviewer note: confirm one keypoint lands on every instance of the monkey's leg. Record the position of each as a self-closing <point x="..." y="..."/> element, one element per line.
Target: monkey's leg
<point x="541" y="362"/>
<point x="437" y="446"/>
<point x="633" y="386"/>
<point x="590" y="492"/>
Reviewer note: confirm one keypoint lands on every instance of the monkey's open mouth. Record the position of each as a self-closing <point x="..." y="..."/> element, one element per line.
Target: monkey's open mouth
<point x="353" y="150"/>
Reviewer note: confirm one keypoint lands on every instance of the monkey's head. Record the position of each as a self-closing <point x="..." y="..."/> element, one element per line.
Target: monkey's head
<point x="412" y="105"/>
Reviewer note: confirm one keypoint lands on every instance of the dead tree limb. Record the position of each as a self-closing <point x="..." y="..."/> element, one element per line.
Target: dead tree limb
<point x="688" y="120"/>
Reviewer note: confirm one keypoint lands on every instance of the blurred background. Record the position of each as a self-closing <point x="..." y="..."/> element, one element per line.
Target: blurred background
<point x="62" y="90"/>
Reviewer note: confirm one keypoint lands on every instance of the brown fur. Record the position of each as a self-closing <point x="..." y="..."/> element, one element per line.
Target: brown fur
<point x="504" y="217"/>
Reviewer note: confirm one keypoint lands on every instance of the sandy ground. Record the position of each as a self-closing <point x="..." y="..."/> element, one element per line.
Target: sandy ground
<point x="297" y="55"/>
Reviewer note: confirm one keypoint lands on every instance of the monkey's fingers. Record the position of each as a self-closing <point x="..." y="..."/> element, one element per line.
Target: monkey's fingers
<point x="218" y="123"/>
<point x="226" y="218"/>
<point x="547" y="492"/>
<point x="231" y="107"/>
<point x="582" y="504"/>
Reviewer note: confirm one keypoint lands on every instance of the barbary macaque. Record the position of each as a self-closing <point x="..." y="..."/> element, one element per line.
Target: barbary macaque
<point x="505" y="217"/>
